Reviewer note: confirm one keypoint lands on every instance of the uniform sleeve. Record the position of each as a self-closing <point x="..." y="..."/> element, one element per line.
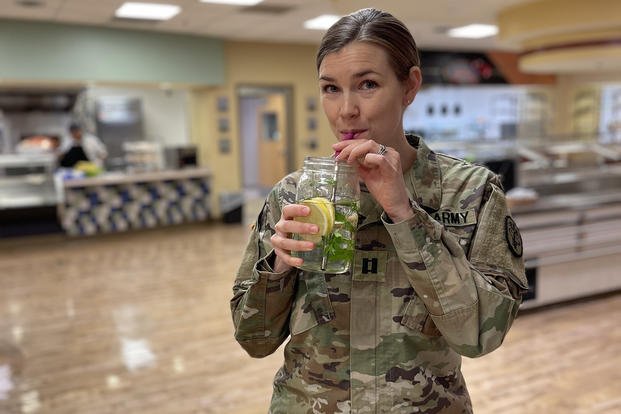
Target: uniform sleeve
<point x="472" y="298"/>
<point x="262" y="299"/>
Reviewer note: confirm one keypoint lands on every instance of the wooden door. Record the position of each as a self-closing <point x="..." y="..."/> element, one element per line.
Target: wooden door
<point x="272" y="140"/>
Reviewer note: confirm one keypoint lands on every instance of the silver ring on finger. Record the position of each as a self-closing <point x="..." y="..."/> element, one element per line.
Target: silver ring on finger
<point x="382" y="149"/>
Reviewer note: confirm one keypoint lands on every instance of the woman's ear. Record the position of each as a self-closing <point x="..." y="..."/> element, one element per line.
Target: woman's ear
<point x="412" y="83"/>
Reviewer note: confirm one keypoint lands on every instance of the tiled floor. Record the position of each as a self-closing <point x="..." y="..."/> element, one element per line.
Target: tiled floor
<point x="140" y="323"/>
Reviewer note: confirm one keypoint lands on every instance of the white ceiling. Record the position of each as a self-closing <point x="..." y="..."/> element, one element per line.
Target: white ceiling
<point x="425" y="18"/>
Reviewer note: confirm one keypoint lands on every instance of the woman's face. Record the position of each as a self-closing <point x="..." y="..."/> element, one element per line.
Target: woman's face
<point x="361" y="94"/>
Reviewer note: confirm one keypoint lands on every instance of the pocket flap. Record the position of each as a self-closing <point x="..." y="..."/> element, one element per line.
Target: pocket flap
<point x="312" y="304"/>
<point x="416" y="318"/>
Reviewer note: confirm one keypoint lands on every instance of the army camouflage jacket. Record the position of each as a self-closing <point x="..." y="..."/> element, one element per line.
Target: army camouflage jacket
<point x="388" y="336"/>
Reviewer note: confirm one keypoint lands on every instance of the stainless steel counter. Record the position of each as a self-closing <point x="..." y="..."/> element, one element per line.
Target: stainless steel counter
<point x="113" y="178"/>
<point x="26" y="180"/>
<point x="572" y="245"/>
<point x="580" y="201"/>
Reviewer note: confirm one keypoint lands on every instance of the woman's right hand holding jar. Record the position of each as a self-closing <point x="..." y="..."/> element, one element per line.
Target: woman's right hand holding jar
<point x="283" y="245"/>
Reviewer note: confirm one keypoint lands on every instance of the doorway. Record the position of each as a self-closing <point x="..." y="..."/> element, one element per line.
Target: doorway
<point x="265" y="120"/>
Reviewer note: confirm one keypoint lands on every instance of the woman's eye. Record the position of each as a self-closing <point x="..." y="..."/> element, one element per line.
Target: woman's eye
<point x="329" y="89"/>
<point x="369" y="84"/>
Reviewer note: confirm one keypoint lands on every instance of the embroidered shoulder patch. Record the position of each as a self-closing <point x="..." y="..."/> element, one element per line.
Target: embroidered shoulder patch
<point x="513" y="236"/>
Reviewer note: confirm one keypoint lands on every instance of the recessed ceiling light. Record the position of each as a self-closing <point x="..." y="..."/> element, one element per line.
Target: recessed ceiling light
<point x="234" y="2"/>
<point x="147" y="11"/>
<point x="474" y="31"/>
<point x="322" y="22"/>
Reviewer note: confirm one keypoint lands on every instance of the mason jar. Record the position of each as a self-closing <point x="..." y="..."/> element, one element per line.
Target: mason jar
<point x="332" y="192"/>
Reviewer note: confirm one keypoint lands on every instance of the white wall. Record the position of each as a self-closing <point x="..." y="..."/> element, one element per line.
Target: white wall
<point x="165" y="112"/>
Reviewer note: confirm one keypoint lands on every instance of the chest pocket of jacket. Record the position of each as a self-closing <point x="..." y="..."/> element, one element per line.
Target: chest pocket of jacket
<point x="415" y="317"/>
<point x="312" y="305"/>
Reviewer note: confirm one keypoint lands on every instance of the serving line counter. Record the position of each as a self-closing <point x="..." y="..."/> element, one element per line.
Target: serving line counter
<point x="572" y="245"/>
<point x="117" y="202"/>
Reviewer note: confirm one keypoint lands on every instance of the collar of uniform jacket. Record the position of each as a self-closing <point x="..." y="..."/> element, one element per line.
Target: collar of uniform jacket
<point x="423" y="181"/>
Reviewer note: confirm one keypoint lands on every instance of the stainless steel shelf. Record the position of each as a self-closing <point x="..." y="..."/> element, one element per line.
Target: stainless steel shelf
<point x="27" y="180"/>
<point x="27" y="160"/>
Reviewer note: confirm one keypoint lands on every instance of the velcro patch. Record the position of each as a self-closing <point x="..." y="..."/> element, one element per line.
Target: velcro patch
<point x="513" y="236"/>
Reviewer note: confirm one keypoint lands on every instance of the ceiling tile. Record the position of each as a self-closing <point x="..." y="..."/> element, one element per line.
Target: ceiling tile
<point x="226" y="21"/>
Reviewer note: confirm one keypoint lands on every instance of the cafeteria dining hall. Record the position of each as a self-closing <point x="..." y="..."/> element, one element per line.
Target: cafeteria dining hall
<point x="310" y="207"/>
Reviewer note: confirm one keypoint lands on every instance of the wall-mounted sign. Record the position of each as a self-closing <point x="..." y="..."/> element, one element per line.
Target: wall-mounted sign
<point x="312" y="143"/>
<point x="223" y="125"/>
<point x="223" y="103"/>
<point x="224" y="145"/>
<point x="311" y="103"/>
<point x="311" y="123"/>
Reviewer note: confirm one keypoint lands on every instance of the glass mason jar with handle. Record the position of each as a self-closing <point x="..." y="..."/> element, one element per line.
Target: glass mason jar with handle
<point x="331" y="191"/>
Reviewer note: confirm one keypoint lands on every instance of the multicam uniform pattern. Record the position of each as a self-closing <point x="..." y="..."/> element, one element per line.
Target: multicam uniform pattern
<point x="388" y="336"/>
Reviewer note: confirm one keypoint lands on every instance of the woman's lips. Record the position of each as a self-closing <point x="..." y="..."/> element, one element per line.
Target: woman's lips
<point x="347" y="135"/>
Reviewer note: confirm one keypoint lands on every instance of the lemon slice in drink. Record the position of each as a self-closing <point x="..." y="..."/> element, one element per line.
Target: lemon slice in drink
<point x="327" y="207"/>
<point x="321" y="214"/>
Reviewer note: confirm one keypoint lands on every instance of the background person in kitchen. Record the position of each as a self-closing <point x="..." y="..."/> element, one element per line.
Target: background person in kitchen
<point x="80" y="146"/>
<point x="385" y="337"/>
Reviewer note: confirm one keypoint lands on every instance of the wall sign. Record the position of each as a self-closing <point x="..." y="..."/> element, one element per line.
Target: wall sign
<point x="311" y="123"/>
<point x="311" y="104"/>
<point x="223" y="125"/>
<point x="224" y="146"/>
<point x="223" y="104"/>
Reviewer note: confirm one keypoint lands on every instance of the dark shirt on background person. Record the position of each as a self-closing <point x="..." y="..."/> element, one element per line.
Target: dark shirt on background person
<point x="70" y="158"/>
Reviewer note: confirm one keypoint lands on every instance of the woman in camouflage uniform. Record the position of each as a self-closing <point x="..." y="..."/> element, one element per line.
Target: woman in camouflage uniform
<point x="437" y="272"/>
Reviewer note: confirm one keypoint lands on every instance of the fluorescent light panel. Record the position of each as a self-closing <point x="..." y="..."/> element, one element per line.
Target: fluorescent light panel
<point x="322" y="22"/>
<point x="147" y="11"/>
<point x="234" y="2"/>
<point x="474" y="31"/>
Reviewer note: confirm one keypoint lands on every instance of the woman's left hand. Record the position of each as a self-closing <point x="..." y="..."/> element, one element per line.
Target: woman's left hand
<point x="381" y="173"/>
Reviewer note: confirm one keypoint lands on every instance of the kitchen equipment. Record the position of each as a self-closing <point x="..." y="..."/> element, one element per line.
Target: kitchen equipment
<point x="119" y="120"/>
<point x="179" y="157"/>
